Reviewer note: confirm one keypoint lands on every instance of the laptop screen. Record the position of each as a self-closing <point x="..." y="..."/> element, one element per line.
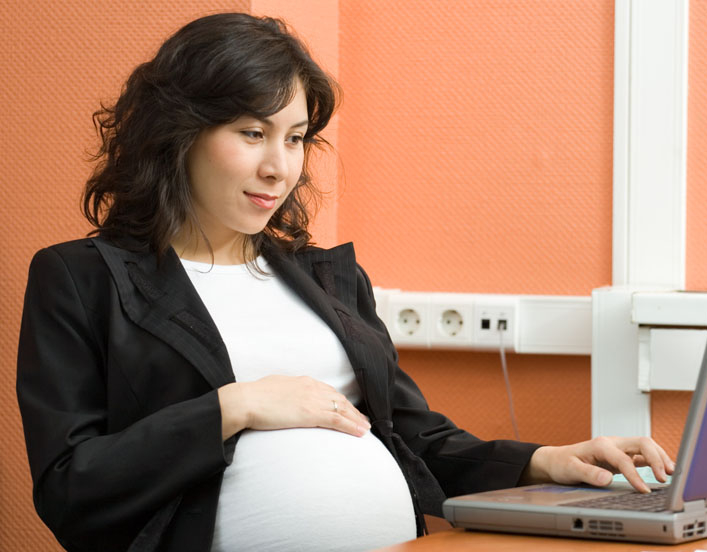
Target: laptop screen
<point x="696" y="485"/>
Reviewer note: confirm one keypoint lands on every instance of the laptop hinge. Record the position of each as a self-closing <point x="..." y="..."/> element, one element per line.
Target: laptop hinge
<point x="694" y="505"/>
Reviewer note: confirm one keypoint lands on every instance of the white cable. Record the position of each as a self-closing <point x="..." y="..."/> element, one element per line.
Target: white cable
<point x="501" y="330"/>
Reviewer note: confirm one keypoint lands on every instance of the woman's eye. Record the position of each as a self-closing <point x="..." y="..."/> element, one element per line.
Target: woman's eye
<point x="296" y="139"/>
<point x="252" y="134"/>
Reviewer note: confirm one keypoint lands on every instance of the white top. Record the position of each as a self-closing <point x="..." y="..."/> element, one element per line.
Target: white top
<point x="303" y="489"/>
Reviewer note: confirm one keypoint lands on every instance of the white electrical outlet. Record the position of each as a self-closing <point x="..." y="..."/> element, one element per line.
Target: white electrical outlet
<point x="493" y="320"/>
<point x="450" y="320"/>
<point x="408" y="321"/>
<point x="408" y="318"/>
<point x="451" y="323"/>
<point x="469" y="321"/>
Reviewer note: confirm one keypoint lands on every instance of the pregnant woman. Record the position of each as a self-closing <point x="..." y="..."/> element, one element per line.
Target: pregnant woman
<point x="196" y="375"/>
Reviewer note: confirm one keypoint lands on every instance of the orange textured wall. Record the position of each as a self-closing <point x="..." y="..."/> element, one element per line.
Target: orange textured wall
<point x="550" y="393"/>
<point x="476" y="138"/>
<point x="477" y="157"/>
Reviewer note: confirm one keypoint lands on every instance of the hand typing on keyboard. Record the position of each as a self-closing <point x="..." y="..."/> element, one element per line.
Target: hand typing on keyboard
<point x="594" y="462"/>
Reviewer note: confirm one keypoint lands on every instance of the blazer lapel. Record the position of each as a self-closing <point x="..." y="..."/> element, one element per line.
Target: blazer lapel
<point x="300" y="274"/>
<point x="168" y="306"/>
<point x="334" y="300"/>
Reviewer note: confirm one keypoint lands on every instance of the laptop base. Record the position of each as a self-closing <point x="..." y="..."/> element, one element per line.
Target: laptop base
<point x="583" y="523"/>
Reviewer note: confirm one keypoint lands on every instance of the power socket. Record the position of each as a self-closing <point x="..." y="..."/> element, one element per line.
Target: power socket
<point x="469" y="321"/>
<point x="450" y="323"/>
<point x="450" y="320"/>
<point x="492" y="320"/>
<point x="408" y="319"/>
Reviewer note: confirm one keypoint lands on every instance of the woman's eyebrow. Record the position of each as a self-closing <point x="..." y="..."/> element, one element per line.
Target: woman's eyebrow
<point x="268" y="122"/>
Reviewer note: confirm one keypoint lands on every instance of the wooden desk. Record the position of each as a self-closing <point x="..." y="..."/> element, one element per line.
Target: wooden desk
<point x="471" y="541"/>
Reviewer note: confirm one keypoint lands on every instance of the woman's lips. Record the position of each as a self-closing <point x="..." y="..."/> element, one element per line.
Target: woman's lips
<point x="263" y="201"/>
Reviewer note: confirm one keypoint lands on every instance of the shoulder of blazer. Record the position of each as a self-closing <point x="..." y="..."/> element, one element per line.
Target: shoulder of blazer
<point x="159" y="297"/>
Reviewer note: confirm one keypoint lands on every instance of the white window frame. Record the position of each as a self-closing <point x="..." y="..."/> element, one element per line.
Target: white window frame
<point x="650" y="158"/>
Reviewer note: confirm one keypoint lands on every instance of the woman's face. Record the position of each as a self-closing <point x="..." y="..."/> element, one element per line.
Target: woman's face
<point x="241" y="172"/>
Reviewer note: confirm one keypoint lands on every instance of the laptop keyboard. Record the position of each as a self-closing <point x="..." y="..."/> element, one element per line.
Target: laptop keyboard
<point x="653" y="502"/>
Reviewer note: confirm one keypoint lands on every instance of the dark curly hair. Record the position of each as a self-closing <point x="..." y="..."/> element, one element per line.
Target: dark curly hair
<point x="212" y="71"/>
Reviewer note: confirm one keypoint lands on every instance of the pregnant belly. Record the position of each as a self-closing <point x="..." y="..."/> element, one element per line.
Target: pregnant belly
<point x="312" y="489"/>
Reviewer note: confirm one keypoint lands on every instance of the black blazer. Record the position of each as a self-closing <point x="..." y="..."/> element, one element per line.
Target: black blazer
<point x="118" y="366"/>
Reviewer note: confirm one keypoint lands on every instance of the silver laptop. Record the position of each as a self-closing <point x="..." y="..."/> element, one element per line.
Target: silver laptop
<point x="672" y="513"/>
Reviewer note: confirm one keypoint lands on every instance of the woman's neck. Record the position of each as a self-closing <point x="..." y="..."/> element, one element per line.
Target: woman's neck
<point x="193" y="247"/>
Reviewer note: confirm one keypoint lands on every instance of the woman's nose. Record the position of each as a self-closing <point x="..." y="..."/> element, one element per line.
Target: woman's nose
<point x="274" y="163"/>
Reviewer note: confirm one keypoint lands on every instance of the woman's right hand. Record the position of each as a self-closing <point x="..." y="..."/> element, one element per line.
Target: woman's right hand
<point x="281" y="402"/>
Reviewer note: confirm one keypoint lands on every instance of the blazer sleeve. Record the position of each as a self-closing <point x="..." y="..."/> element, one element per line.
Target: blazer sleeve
<point x="91" y="486"/>
<point x="461" y="462"/>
